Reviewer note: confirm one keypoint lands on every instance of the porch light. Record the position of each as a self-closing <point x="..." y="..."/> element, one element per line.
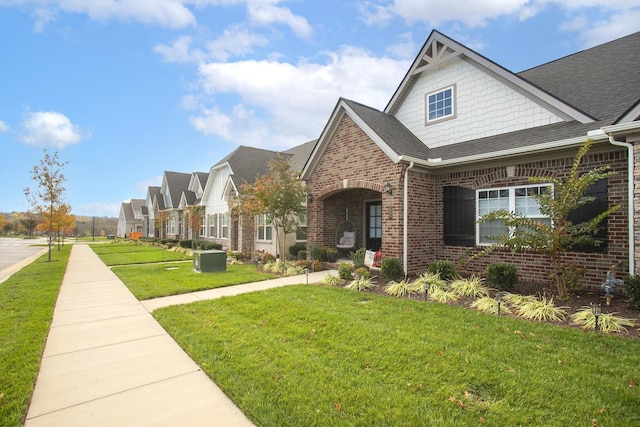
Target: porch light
<point x="309" y="198"/>
<point x="387" y="187"/>
<point x="596" y="310"/>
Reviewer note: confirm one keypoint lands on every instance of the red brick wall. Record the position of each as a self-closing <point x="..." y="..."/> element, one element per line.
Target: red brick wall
<point x="353" y="170"/>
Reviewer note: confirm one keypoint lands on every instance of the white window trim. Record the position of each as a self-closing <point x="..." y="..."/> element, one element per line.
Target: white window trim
<point x="264" y="225"/>
<point x="512" y="206"/>
<point x="302" y="224"/>
<point x="454" y="111"/>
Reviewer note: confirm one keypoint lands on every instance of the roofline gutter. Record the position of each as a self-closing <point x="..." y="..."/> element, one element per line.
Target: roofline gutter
<point x="405" y="220"/>
<point x="564" y="143"/>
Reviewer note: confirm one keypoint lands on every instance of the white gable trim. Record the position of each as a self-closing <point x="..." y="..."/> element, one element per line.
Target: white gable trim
<point x="630" y="115"/>
<point x="447" y="48"/>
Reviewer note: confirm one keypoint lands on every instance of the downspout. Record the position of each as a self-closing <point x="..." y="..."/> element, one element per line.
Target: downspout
<point x="405" y="219"/>
<point x="631" y="185"/>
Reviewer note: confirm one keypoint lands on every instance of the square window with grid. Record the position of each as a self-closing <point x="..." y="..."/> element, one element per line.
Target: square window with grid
<point x="440" y="104"/>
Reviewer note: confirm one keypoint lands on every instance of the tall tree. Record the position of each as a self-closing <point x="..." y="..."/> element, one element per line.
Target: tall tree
<point x="560" y="235"/>
<point x="279" y="195"/>
<point x="29" y="222"/>
<point x="194" y="218"/>
<point x="48" y="197"/>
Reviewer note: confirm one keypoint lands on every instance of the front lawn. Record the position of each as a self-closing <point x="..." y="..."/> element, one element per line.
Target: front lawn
<point x="27" y="301"/>
<point x="313" y="355"/>
<point x="159" y="280"/>
<point x="131" y="253"/>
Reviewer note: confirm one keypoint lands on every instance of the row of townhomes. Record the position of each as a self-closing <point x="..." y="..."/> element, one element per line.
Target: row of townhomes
<point x="212" y="193"/>
<point x="460" y="137"/>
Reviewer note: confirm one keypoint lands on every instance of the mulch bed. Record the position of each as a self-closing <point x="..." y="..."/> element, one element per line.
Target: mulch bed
<point x="578" y="300"/>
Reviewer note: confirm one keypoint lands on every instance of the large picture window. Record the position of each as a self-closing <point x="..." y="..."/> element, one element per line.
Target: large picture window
<point x="520" y="200"/>
<point x="441" y="104"/>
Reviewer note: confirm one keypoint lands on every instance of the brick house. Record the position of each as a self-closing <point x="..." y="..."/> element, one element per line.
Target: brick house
<point x="461" y="136"/>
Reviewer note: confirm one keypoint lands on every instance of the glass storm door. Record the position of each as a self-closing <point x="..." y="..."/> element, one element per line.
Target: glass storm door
<point x="374" y="225"/>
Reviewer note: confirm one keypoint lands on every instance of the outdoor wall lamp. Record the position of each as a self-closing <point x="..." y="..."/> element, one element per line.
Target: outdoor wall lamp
<point x="387" y="187"/>
<point x="309" y="198"/>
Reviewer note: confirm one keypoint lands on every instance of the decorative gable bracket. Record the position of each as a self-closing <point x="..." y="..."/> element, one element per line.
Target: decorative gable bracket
<point x="435" y="54"/>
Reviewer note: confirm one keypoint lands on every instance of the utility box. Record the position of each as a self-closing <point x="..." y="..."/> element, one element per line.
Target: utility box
<point x="209" y="261"/>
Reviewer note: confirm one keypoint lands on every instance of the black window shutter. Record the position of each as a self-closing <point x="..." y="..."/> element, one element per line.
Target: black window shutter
<point x="459" y="206"/>
<point x="597" y="190"/>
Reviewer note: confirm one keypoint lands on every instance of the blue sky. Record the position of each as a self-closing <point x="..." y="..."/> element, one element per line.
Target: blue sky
<point x="124" y="90"/>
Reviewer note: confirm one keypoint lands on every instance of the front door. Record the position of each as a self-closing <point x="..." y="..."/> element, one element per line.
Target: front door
<point x="374" y="226"/>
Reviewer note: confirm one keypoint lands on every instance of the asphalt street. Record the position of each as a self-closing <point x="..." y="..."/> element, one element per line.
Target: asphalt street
<point x="15" y="252"/>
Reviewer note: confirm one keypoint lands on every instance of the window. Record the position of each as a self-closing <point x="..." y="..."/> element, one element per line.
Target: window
<point x="264" y="229"/>
<point x="203" y="227"/>
<point x="441" y="104"/>
<point x="213" y="225"/>
<point x="520" y="200"/>
<point x="224" y="219"/>
<point x="301" y="231"/>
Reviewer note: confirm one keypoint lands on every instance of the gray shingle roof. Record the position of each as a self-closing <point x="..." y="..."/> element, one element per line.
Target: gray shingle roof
<point x="300" y="154"/>
<point x="602" y="81"/>
<point x="177" y="183"/>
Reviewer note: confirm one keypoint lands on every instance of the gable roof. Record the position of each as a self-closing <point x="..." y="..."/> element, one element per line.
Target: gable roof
<point x="300" y="154"/>
<point x="177" y="182"/>
<point x="615" y="98"/>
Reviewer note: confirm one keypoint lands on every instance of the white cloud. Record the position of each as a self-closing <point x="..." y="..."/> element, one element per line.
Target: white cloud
<point x="290" y="103"/>
<point x="234" y="41"/>
<point x="4" y="127"/>
<point x="266" y="13"/>
<point x="615" y="26"/>
<point x="51" y="129"/>
<point x="178" y="51"/>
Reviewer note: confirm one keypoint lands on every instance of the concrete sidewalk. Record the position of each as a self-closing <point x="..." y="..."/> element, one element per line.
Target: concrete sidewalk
<point x="107" y="362"/>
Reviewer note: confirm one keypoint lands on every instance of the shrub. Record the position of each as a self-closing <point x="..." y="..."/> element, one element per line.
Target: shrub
<point x="428" y="282"/>
<point x="360" y="284"/>
<point x="502" y="276"/>
<point x="490" y="305"/>
<point x="331" y="280"/>
<point x="358" y="258"/>
<point x="607" y="322"/>
<point x="294" y="250"/>
<point x="362" y="272"/>
<point x="392" y="269"/>
<point x="186" y="243"/>
<point x="542" y="309"/>
<point x="444" y="268"/>
<point x="302" y="255"/>
<point x="398" y="289"/>
<point x="331" y="254"/>
<point x="317" y="265"/>
<point x="207" y="246"/>
<point x="317" y="252"/>
<point x="633" y="290"/>
<point x="470" y="287"/>
<point x="345" y="271"/>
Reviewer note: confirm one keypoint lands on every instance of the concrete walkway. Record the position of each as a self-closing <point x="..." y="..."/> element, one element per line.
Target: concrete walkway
<point x="107" y="362"/>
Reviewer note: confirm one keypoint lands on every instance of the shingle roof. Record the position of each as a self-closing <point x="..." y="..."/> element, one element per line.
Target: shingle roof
<point x="300" y="154"/>
<point x="602" y="81"/>
<point x="177" y="183"/>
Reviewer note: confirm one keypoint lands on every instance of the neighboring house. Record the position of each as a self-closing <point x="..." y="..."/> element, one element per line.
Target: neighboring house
<point x="173" y="185"/>
<point x="130" y="219"/>
<point x="190" y="204"/>
<point x="225" y="182"/>
<point x="149" y="223"/>
<point x="460" y="137"/>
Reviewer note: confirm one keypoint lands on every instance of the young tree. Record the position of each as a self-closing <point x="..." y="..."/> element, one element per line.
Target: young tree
<point x="279" y="195"/>
<point x="560" y="235"/>
<point x="49" y="196"/>
<point x="195" y="215"/>
<point x="29" y="222"/>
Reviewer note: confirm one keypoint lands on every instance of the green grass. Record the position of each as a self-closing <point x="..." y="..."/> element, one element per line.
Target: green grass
<point x="158" y="280"/>
<point x="27" y="300"/>
<point x="130" y="253"/>
<point x="325" y="356"/>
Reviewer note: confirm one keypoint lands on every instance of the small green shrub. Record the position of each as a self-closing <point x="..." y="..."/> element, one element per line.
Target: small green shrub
<point x="542" y="309"/>
<point x="444" y="268"/>
<point x="345" y="271"/>
<point x="317" y="252"/>
<point x="316" y="265"/>
<point x="391" y="269"/>
<point x="502" y="276"/>
<point x="633" y="290"/>
<point x="186" y="243"/>
<point x="362" y="272"/>
<point x="302" y="255"/>
<point x="607" y="322"/>
<point x="294" y="250"/>
<point x="358" y="258"/>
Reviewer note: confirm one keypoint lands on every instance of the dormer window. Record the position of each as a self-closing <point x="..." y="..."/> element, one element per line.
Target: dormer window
<point x="441" y="105"/>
